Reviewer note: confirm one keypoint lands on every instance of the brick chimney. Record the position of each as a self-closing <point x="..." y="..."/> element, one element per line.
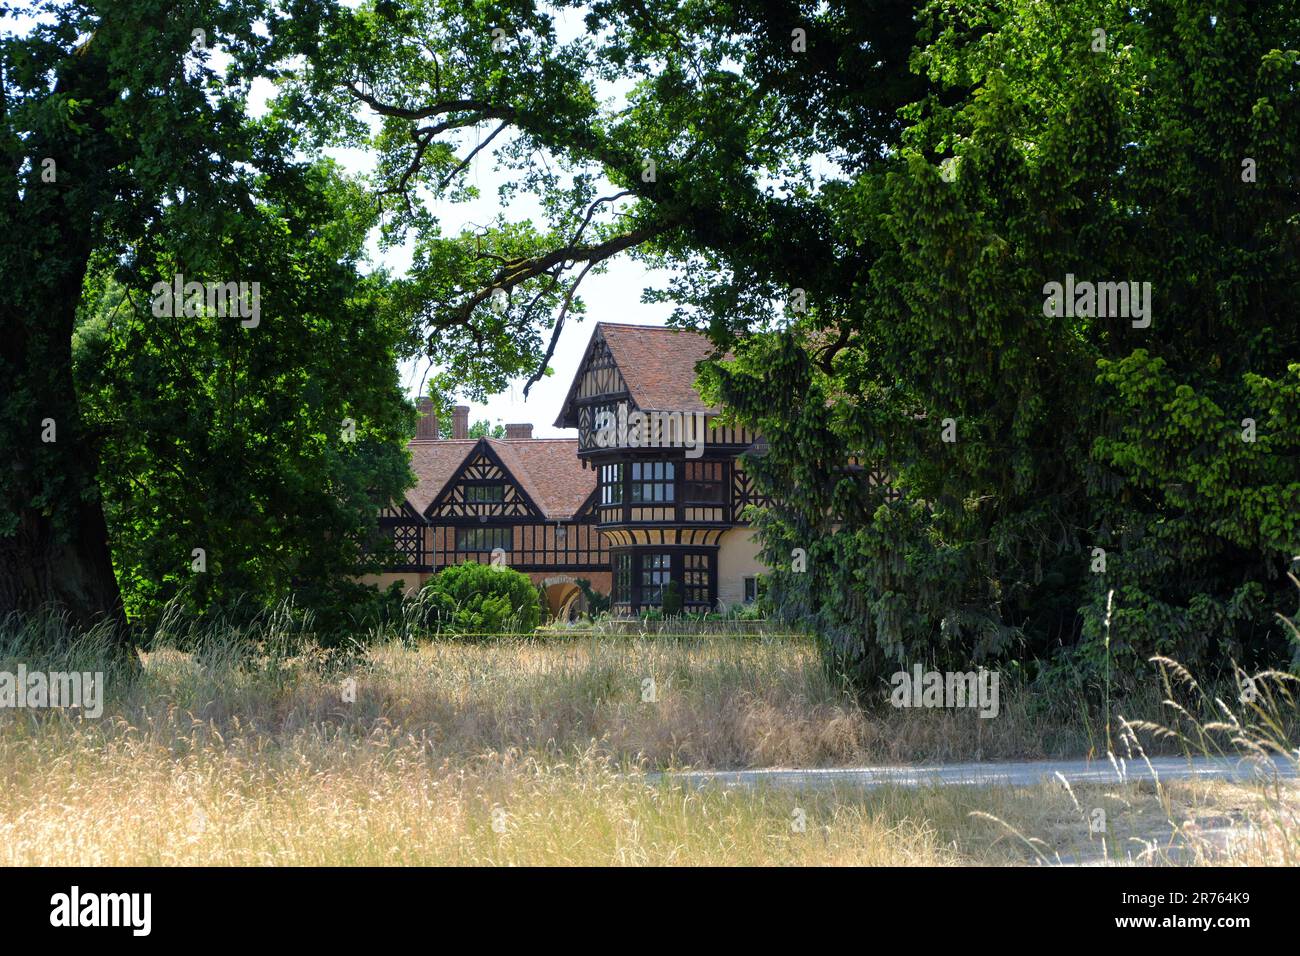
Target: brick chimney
<point x="460" y="421"/>
<point x="519" y="432"/>
<point x="426" y="429"/>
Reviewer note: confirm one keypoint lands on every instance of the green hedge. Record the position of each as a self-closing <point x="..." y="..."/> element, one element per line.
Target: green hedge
<point x="482" y="599"/>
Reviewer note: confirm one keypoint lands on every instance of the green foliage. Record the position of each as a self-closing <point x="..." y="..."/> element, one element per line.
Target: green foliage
<point x="978" y="151"/>
<point x="268" y="448"/>
<point x="672" y="599"/>
<point x="1073" y="433"/>
<point x="135" y="136"/>
<point x="597" y="603"/>
<point x="543" y="606"/>
<point x="441" y="390"/>
<point x="755" y="611"/>
<point x="918" y="174"/>
<point x="196" y="432"/>
<point x="474" y="600"/>
<point x="401" y="56"/>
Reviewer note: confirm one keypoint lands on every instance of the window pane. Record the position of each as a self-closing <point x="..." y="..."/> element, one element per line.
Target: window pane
<point x="485" y="493"/>
<point x="483" y="539"/>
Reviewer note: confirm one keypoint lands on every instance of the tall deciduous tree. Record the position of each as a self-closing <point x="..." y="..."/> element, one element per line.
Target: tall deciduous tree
<point x="243" y="465"/>
<point x="709" y="152"/>
<point x="1035" y="457"/>
<point x="108" y="115"/>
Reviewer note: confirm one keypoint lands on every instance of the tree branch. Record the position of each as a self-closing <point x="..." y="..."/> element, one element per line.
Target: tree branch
<point x="591" y="211"/>
<point x="464" y="163"/>
<point x="559" y="325"/>
<point x="826" y="359"/>
<point x="487" y="110"/>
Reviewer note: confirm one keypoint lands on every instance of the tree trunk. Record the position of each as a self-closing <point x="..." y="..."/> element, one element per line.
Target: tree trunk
<point x="40" y="567"/>
<point x="54" y="551"/>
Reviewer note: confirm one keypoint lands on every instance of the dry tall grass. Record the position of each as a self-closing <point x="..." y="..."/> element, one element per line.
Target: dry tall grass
<point x="516" y="752"/>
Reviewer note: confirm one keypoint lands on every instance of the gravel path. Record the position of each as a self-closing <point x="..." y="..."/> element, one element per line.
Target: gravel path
<point x="998" y="774"/>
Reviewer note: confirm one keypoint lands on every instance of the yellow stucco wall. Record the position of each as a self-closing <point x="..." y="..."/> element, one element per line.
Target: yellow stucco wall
<point x="737" y="560"/>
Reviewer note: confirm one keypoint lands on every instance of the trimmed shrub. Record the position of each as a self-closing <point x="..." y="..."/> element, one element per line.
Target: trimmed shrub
<point x="481" y="599"/>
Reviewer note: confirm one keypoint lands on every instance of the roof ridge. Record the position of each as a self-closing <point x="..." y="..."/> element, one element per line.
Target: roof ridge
<point x="646" y="325"/>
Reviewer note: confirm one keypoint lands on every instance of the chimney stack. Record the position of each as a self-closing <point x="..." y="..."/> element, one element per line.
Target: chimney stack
<point x="519" y="432"/>
<point x="426" y="429"/>
<point x="460" y="421"/>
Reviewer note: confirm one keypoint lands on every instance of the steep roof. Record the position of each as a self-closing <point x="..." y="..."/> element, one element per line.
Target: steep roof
<point x="434" y="462"/>
<point x="548" y="471"/>
<point x="658" y="365"/>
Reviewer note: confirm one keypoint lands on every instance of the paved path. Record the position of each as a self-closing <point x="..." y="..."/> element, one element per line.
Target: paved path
<point x="1007" y="774"/>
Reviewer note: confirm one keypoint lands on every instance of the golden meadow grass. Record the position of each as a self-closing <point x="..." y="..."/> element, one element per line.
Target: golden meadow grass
<point x="525" y="752"/>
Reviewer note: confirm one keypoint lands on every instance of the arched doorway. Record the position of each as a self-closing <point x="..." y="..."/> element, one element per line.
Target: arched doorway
<point x="564" y="599"/>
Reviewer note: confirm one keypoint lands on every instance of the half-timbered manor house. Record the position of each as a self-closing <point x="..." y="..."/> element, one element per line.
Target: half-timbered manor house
<point x="629" y="510"/>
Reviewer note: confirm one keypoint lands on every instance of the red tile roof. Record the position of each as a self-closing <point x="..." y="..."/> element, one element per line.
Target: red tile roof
<point x="658" y="365"/>
<point x="433" y="463"/>
<point x="548" y="470"/>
